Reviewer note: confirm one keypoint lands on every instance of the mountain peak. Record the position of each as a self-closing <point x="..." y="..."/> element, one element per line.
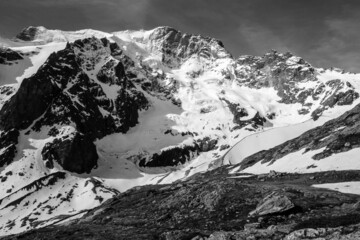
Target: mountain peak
<point x="30" y="33"/>
<point x="165" y="29"/>
<point x="43" y="35"/>
<point x="162" y="31"/>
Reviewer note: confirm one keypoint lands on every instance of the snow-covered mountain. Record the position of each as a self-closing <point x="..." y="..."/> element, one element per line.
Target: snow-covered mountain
<point x="87" y="114"/>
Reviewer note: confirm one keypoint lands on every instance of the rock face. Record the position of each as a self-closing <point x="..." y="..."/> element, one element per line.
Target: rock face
<point x="29" y="33"/>
<point x="30" y="101"/>
<point x="176" y="156"/>
<point x="63" y="91"/>
<point x="287" y="74"/>
<point x="8" y="56"/>
<point x="8" y="142"/>
<point x="170" y="157"/>
<point x="177" y="47"/>
<point x="239" y="113"/>
<point x="337" y="97"/>
<point x="281" y="71"/>
<point x="273" y="203"/>
<point x="74" y="152"/>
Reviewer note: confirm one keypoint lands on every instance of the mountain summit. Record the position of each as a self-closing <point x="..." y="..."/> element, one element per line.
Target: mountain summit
<point x="89" y="115"/>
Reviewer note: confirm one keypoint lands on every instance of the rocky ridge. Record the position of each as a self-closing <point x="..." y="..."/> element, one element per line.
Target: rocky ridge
<point x="335" y="136"/>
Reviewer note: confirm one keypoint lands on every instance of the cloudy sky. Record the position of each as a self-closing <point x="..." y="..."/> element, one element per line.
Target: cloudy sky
<point x="324" y="32"/>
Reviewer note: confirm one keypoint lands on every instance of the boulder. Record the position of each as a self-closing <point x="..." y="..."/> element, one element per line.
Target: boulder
<point x="273" y="204"/>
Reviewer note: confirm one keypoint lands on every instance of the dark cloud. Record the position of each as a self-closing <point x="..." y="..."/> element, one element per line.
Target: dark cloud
<point x="323" y="32"/>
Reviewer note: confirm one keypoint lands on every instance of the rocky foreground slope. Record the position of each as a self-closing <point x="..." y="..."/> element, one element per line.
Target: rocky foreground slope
<point x="88" y="115"/>
<point x="215" y="206"/>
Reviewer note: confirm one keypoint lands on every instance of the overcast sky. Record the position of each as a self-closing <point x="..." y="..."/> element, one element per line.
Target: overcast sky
<point x="324" y="32"/>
